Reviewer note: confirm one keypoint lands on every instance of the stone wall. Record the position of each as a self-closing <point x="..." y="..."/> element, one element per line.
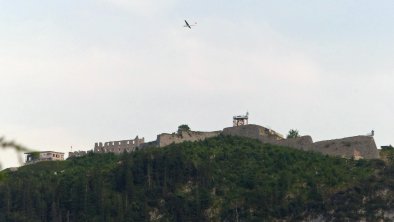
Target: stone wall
<point x="165" y="139"/>
<point x="302" y="143"/>
<point x="266" y="135"/>
<point x="357" y="147"/>
<point x="118" y="146"/>
<point x="263" y="134"/>
<point x="148" y="144"/>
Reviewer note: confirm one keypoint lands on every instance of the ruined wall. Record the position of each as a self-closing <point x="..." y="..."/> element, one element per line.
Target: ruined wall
<point x="263" y="134"/>
<point x="165" y="139"/>
<point x="148" y="144"/>
<point x="302" y="143"/>
<point x="118" y="147"/>
<point x="266" y="135"/>
<point x="357" y="147"/>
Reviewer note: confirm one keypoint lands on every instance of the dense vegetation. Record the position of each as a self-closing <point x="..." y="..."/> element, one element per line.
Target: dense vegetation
<point x="219" y="179"/>
<point x="387" y="154"/>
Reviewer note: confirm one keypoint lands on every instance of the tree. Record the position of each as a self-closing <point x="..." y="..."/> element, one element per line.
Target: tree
<point x="12" y="145"/>
<point x="293" y="133"/>
<point x="183" y="127"/>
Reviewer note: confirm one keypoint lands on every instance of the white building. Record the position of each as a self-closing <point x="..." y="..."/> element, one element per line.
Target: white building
<point x="33" y="157"/>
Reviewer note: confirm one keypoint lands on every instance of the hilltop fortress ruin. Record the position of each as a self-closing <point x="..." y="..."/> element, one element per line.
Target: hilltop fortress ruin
<point x="357" y="147"/>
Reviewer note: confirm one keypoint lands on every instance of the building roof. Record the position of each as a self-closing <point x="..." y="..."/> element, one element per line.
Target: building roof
<point x="44" y="152"/>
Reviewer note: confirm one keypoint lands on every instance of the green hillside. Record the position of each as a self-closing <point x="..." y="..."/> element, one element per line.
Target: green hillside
<point x="219" y="179"/>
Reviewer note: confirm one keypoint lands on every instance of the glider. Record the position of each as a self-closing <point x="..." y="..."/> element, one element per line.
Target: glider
<point x="189" y="26"/>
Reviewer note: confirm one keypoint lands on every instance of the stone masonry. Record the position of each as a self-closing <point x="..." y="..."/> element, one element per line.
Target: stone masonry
<point x="357" y="147"/>
<point x="165" y="139"/>
<point x="118" y="147"/>
<point x="253" y="131"/>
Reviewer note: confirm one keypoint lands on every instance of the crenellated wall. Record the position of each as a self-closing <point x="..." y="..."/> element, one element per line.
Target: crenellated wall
<point x="118" y="146"/>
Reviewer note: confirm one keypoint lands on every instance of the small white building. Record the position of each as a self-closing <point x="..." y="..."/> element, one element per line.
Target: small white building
<point x="33" y="157"/>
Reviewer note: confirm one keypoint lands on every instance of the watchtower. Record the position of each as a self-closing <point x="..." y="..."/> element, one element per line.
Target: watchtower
<point x="241" y="120"/>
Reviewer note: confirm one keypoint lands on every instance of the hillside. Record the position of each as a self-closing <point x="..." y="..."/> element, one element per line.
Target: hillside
<point x="220" y="179"/>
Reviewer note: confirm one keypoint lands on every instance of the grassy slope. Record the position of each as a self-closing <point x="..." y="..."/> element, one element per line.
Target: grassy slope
<point x="220" y="179"/>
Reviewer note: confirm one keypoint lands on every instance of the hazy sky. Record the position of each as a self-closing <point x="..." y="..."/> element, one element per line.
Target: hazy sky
<point x="75" y="72"/>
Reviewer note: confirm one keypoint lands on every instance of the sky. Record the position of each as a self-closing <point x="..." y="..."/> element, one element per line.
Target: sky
<point x="74" y="72"/>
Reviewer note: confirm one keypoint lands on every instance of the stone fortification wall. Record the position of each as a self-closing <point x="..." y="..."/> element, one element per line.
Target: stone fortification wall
<point x="263" y="134"/>
<point x="118" y="146"/>
<point x="165" y="139"/>
<point x="302" y="143"/>
<point x="148" y="144"/>
<point x="266" y="135"/>
<point x="357" y="147"/>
